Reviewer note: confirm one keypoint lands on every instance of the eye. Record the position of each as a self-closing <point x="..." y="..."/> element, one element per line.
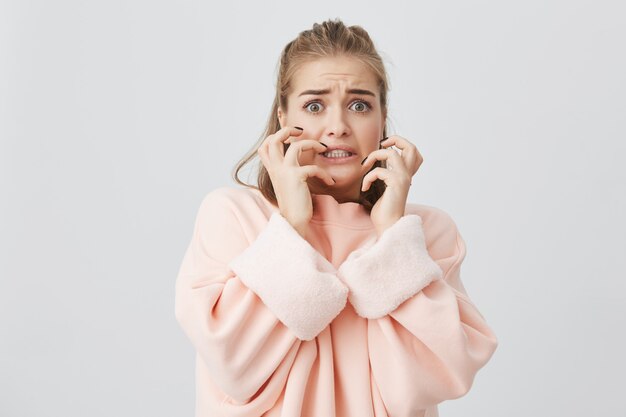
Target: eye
<point x="363" y="106"/>
<point x="360" y="106"/>
<point x="312" y="104"/>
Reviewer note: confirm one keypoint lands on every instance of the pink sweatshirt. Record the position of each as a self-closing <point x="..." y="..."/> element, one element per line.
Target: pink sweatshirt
<point x="340" y="324"/>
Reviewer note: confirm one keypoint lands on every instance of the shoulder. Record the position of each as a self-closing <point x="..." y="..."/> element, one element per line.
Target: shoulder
<point x="241" y="208"/>
<point x="226" y="222"/>
<point x="234" y="199"/>
<point x="440" y="231"/>
<point x="432" y="217"/>
<point x="229" y="194"/>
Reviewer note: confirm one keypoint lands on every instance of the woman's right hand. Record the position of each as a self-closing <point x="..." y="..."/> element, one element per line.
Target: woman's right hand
<point x="289" y="179"/>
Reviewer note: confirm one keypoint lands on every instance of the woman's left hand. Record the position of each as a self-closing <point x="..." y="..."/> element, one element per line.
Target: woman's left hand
<point x="397" y="176"/>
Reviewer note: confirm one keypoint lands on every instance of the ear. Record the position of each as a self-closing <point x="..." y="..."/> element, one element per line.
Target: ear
<point x="281" y="117"/>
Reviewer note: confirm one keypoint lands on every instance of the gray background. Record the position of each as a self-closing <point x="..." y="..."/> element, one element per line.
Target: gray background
<point x="117" y="117"/>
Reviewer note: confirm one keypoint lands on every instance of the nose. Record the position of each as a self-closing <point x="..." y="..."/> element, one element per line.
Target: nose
<point x="337" y="125"/>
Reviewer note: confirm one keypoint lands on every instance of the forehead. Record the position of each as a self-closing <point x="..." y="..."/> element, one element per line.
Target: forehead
<point x="335" y="72"/>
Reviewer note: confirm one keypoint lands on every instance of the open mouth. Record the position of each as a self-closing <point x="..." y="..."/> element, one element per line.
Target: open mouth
<point x="337" y="154"/>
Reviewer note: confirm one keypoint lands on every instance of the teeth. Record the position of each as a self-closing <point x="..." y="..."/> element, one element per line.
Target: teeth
<point x="336" y="154"/>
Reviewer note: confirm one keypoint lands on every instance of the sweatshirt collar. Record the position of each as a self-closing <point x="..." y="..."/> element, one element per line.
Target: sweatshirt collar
<point x="328" y="210"/>
<point x="350" y="213"/>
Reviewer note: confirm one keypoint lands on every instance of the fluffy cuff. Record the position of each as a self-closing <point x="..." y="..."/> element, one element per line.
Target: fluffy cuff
<point x="292" y="278"/>
<point x="383" y="274"/>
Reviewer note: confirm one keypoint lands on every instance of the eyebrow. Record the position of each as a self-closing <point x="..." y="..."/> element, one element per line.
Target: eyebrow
<point x="351" y="91"/>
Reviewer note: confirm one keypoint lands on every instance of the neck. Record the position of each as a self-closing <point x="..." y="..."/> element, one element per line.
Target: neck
<point x="341" y="194"/>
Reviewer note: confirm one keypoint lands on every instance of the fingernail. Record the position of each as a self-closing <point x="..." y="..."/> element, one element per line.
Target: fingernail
<point x="363" y="160"/>
<point x="298" y="127"/>
<point x="324" y="144"/>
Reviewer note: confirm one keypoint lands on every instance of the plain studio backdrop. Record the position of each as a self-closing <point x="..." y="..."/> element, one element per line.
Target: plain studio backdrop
<point x="117" y="117"/>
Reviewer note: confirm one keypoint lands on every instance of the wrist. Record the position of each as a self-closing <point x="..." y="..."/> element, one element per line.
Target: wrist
<point x="381" y="229"/>
<point x="302" y="230"/>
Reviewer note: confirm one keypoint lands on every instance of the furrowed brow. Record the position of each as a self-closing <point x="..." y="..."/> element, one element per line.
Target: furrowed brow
<point x="326" y="91"/>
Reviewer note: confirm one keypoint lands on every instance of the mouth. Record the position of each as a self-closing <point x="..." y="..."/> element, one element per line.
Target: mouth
<point x="338" y="156"/>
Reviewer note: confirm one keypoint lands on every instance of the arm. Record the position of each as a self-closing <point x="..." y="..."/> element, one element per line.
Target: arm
<point x="426" y="338"/>
<point x="245" y="306"/>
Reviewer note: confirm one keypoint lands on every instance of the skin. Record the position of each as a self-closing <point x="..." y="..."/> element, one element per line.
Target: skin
<point x="337" y="117"/>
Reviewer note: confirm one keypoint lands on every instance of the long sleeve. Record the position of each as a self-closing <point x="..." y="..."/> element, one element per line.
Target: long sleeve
<point x="426" y="338"/>
<point x="247" y="302"/>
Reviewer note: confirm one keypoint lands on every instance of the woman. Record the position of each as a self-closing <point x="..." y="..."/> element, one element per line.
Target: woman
<point x="322" y="292"/>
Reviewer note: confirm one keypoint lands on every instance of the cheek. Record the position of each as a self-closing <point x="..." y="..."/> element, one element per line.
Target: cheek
<point x="371" y="132"/>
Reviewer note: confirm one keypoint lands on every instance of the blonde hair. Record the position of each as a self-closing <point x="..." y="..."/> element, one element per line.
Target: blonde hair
<point x="327" y="39"/>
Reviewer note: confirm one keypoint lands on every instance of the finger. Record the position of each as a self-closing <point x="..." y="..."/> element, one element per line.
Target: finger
<point x="276" y="142"/>
<point x="315" y="171"/>
<point x="395" y="140"/>
<point x="396" y="162"/>
<point x="291" y="156"/>
<point x="262" y="151"/>
<point x="409" y="152"/>
<point x="400" y="143"/>
<point x="373" y="175"/>
<point x="390" y="156"/>
<point x="263" y="156"/>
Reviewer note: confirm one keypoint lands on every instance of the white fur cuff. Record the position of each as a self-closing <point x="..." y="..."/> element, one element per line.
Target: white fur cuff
<point x="384" y="274"/>
<point x="292" y="278"/>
